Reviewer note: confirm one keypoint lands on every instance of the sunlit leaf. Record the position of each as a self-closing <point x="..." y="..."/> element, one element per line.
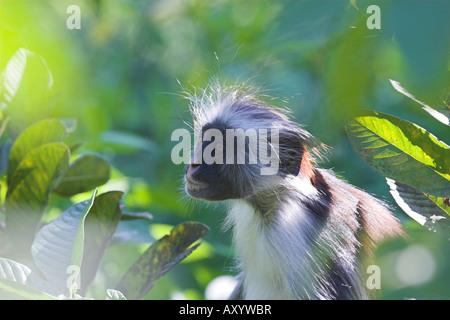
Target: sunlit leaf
<point x="100" y="225"/>
<point x="112" y="294"/>
<point x="36" y="135"/>
<point x="3" y="126"/>
<point x="20" y="273"/>
<point x="86" y="173"/>
<point x="15" y="290"/>
<point x="429" y="211"/>
<point x="58" y="247"/>
<point x="402" y="151"/>
<point x="29" y="190"/>
<point x="159" y="258"/>
<point x="11" y="76"/>
<point x="25" y="85"/>
<point x="441" y="113"/>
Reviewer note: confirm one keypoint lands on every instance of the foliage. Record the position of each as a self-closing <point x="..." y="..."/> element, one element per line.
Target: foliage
<point x="164" y="253"/>
<point x="57" y="253"/>
<point x="415" y="163"/>
<point x="64" y="255"/>
<point x="417" y="169"/>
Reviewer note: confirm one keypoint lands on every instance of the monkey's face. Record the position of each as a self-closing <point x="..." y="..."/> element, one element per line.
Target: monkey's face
<point x="211" y="175"/>
<point x="246" y="147"/>
<point x="236" y="163"/>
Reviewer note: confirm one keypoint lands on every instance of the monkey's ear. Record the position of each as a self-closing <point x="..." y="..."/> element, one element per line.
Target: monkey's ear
<point x="297" y="161"/>
<point x="290" y="162"/>
<point x="291" y="154"/>
<point x="306" y="166"/>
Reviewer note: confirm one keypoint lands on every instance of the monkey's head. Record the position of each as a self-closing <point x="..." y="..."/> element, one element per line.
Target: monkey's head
<point x="244" y="146"/>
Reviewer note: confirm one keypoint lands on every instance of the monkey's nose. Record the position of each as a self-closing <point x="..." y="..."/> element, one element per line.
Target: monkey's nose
<point x="191" y="168"/>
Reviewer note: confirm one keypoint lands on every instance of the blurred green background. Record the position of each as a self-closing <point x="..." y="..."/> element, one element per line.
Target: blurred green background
<point x="120" y="75"/>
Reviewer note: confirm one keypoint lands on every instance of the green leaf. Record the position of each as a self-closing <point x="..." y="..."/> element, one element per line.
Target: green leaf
<point x="86" y="173"/>
<point x="429" y="211"/>
<point x="78" y="244"/>
<point x="29" y="189"/>
<point x="16" y="272"/>
<point x="441" y="113"/>
<point x="57" y="250"/>
<point x="159" y="258"/>
<point x="402" y="151"/>
<point x="26" y="82"/>
<point x="11" y="76"/>
<point x="34" y="136"/>
<point x="15" y="290"/>
<point x="3" y="126"/>
<point x="100" y="225"/>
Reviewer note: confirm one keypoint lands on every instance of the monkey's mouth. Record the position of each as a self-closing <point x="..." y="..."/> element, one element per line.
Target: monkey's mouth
<point x="195" y="188"/>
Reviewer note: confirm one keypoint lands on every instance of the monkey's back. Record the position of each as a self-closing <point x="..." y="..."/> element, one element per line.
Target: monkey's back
<point x="360" y="222"/>
<point x="374" y="221"/>
<point x="314" y="245"/>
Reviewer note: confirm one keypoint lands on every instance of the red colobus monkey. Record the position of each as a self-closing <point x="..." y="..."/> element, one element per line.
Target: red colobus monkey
<point x="299" y="231"/>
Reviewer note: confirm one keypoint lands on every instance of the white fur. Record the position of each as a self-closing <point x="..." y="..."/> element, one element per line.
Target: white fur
<point x="274" y="257"/>
<point x="259" y="258"/>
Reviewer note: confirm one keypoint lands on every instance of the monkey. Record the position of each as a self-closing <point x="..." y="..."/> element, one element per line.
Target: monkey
<point x="298" y="233"/>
